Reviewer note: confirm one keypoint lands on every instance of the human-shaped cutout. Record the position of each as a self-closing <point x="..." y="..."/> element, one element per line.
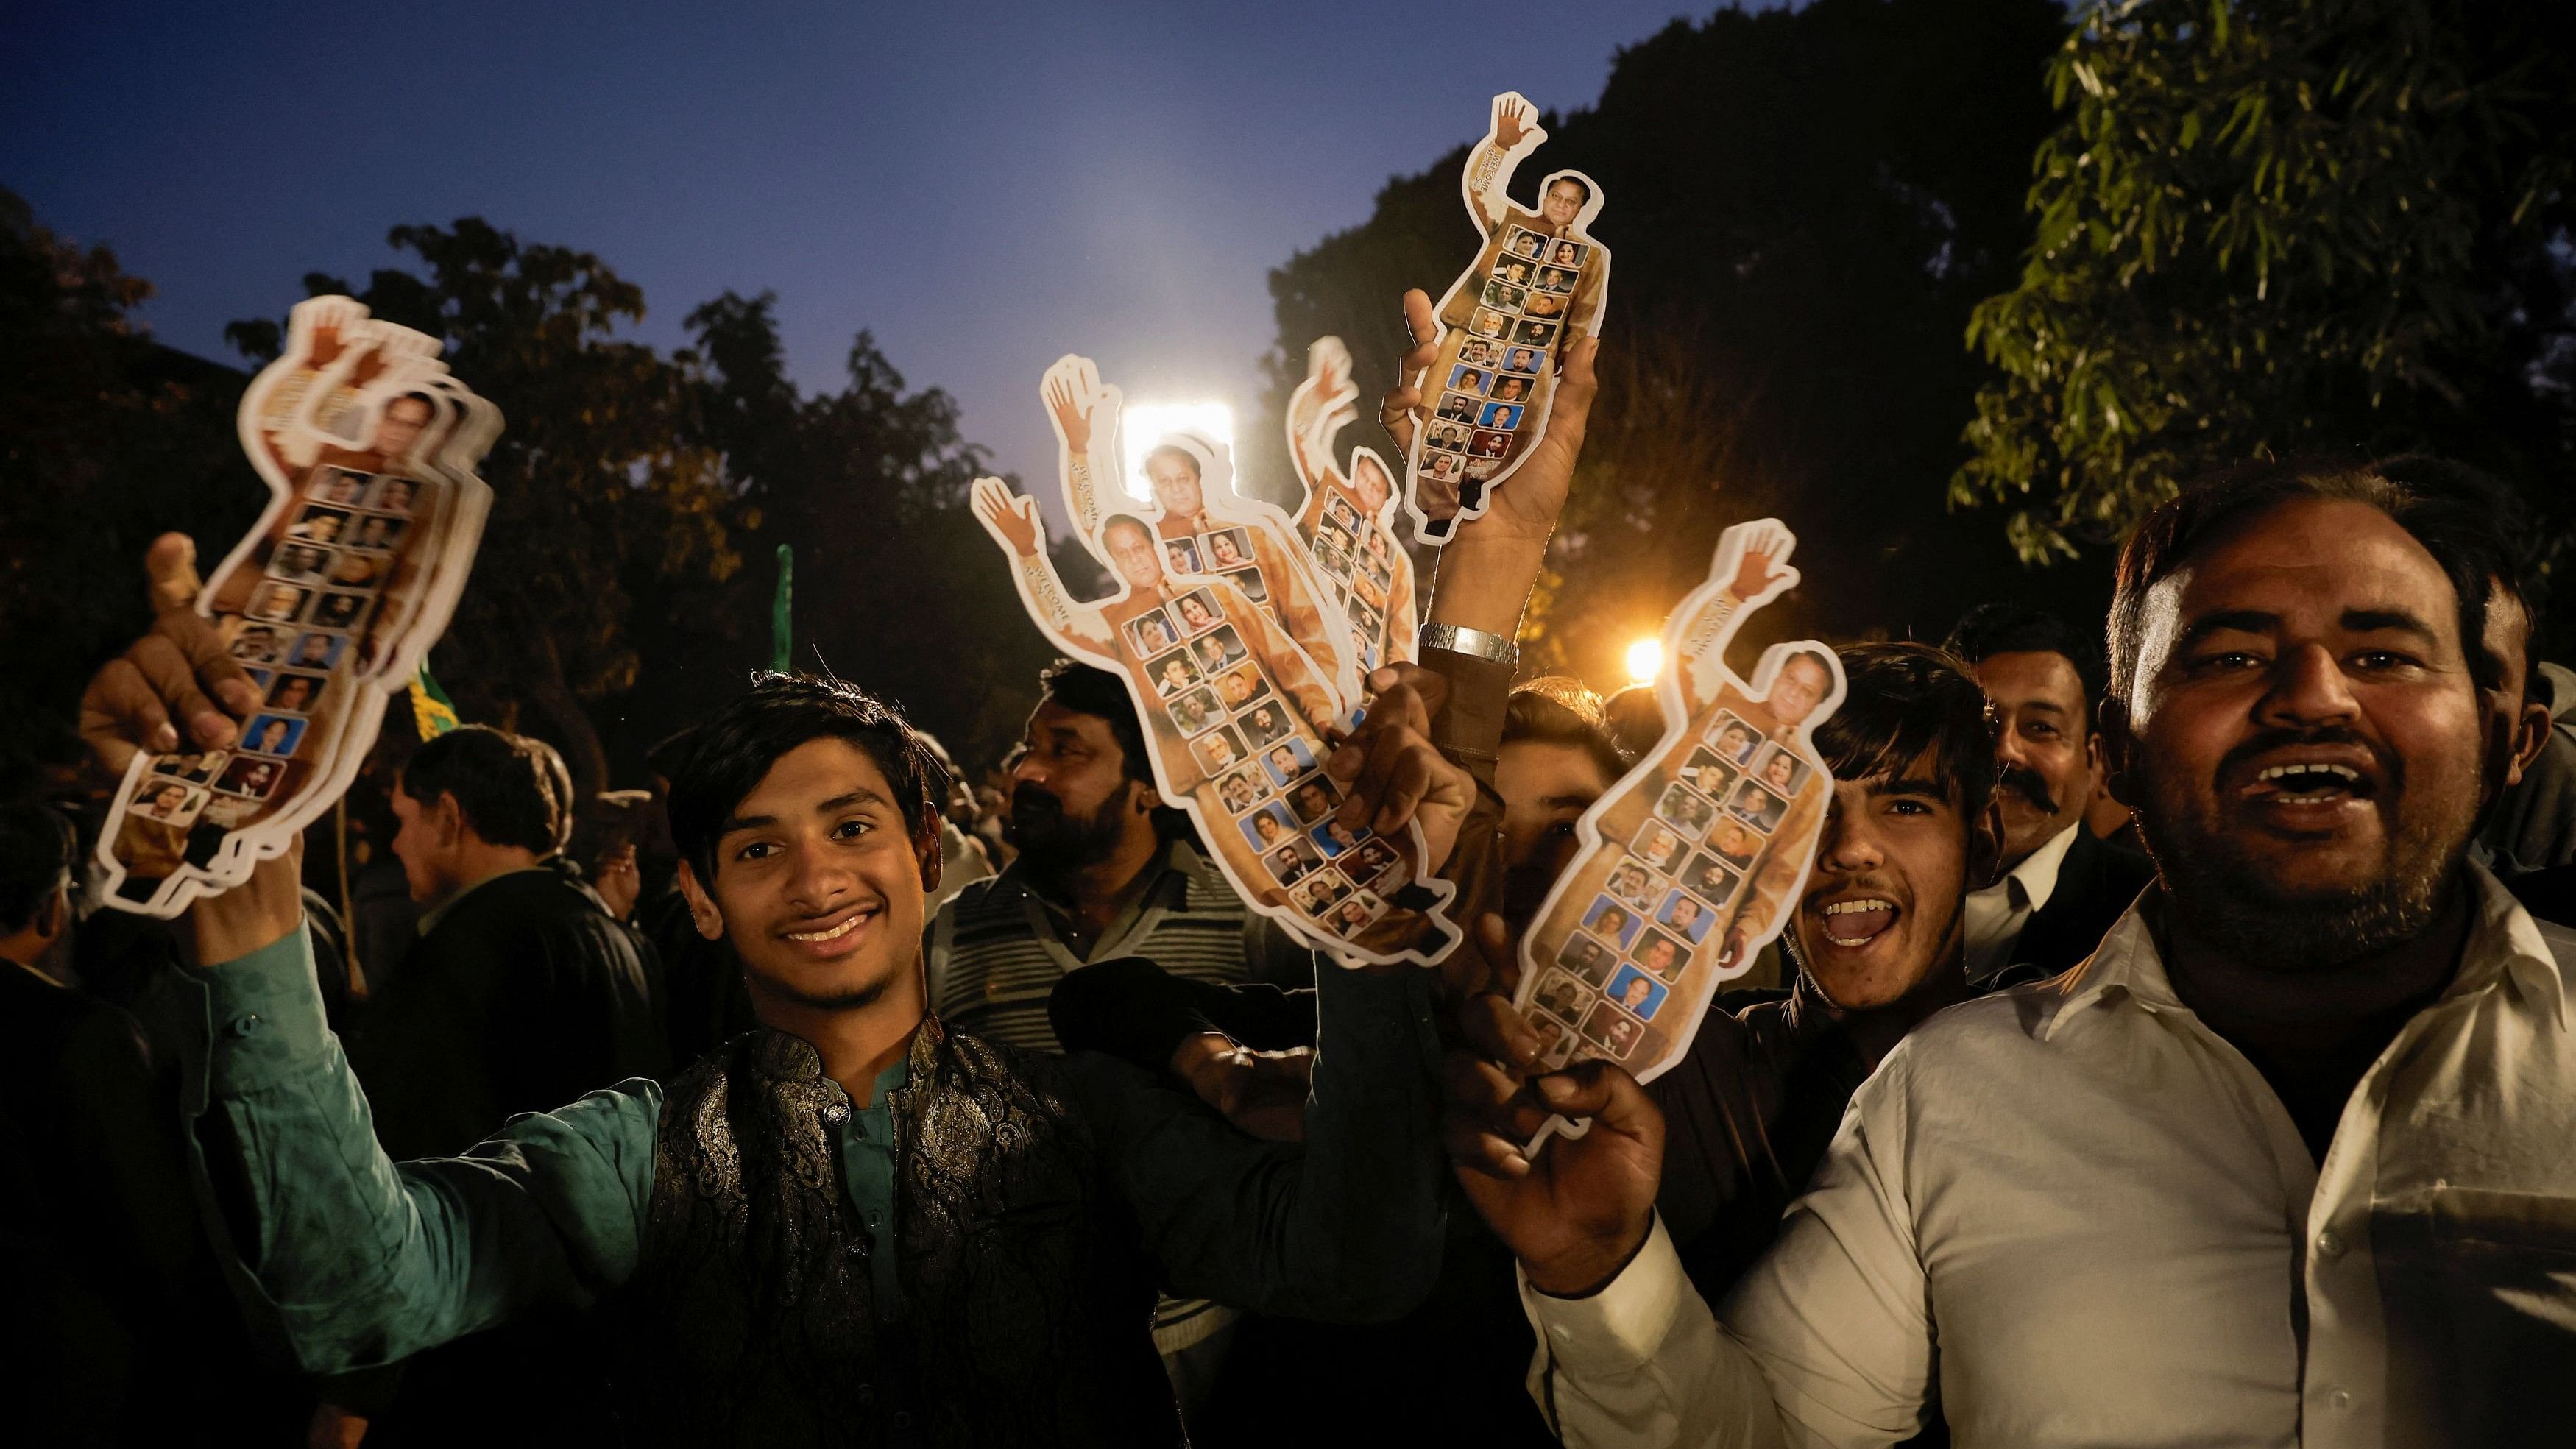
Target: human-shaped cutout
<point x="1241" y="756"/>
<point x="1348" y="518"/>
<point x="1696" y="857"/>
<point x="1539" y="282"/>
<point x="368" y="448"/>
<point x="1204" y="525"/>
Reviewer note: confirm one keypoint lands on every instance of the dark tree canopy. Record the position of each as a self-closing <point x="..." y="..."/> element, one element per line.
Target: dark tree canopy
<point x="1804" y="206"/>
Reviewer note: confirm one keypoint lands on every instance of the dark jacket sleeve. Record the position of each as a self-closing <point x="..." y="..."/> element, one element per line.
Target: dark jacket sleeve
<point x="2096" y="885"/>
<point x="1136" y="1011"/>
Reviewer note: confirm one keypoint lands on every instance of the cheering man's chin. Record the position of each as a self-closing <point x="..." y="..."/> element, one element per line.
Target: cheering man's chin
<point x="1053" y="842"/>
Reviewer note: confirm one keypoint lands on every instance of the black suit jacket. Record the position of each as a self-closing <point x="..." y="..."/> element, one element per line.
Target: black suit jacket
<point x="2096" y="883"/>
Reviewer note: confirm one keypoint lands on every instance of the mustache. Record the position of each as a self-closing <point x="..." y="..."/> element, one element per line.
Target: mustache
<point x="2027" y="783"/>
<point x="1030" y="798"/>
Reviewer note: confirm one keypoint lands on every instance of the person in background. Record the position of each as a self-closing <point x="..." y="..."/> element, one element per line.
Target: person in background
<point x="962" y="860"/>
<point x="704" y="1001"/>
<point x="2062" y="885"/>
<point x="119" y="1325"/>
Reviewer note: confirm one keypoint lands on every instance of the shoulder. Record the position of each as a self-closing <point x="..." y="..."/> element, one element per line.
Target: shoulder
<point x="1979" y="1052"/>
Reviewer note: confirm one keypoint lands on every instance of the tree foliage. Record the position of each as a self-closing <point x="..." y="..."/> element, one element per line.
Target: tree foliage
<point x="1804" y="206"/>
<point x="2277" y="226"/>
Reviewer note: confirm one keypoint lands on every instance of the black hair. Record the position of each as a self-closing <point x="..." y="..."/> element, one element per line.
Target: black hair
<point x="1574" y="181"/>
<point x="2462" y="537"/>
<point x="512" y="789"/>
<point x="1900" y="700"/>
<point x="36" y="848"/>
<point x="2515" y="578"/>
<point x="665" y="757"/>
<point x="1125" y="520"/>
<point x="2000" y="628"/>
<point x="1085" y="689"/>
<point x="1561" y="711"/>
<point x="731" y="752"/>
<point x="1184" y="454"/>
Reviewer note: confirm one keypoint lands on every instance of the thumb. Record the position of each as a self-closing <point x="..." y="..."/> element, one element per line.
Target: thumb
<point x="170" y="566"/>
<point x="1605" y="1093"/>
<point x="1576" y="386"/>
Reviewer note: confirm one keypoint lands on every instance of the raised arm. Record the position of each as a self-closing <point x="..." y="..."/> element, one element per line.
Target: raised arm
<point x="1760" y="573"/>
<point x="1489" y="167"/>
<point x="1317" y="412"/>
<point x="1013" y="521"/>
<point x="1077" y="401"/>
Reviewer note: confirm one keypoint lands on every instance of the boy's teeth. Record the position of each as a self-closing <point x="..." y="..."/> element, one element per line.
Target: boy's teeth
<point x="2344" y="773"/>
<point x="1846" y="908"/>
<point x="834" y="934"/>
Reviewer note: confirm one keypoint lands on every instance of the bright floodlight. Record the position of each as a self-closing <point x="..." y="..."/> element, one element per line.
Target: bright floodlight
<point x="1645" y="660"/>
<point x="1142" y="425"/>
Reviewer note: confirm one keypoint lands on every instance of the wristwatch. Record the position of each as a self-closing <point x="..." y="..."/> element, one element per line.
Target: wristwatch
<point x="1474" y="643"/>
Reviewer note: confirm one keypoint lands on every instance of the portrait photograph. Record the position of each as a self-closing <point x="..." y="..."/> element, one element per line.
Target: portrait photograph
<point x="1491" y="445"/>
<point x="1708" y="878"/>
<point x="1631" y="882"/>
<point x="337" y="485"/>
<point x="1263" y="724"/>
<point x="1661" y="955"/>
<point x="1524" y="360"/>
<point x="272" y="734"/>
<point x="1686" y="916"/>
<point x="1227" y="548"/>
<point x="1150" y="633"/>
<point x="1511" y="387"/>
<point x="1293" y="859"/>
<point x="300" y="562"/>
<point x="1469" y="379"/>
<point x="1222" y="649"/>
<point x="167" y="802"/>
<point x="1287" y="760"/>
<point x="295" y="693"/>
<point x="1313" y="798"/>
<point x="1734" y="739"/>
<point x="1708" y="774"/>
<point x="1638" y="992"/>
<point x="1555" y="279"/>
<point x="1780" y="771"/>
<point x="252" y="776"/>
<point x="1735" y="845"/>
<point x="339" y="611"/>
<point x="1196" y="710"/>
<point x="1543" y="304"/>
<point x="317" y="651"/>
<point x="1333" y="837"/>
<point x="1505" y="416"/>
<point x="1504" y="296"/>
<point x="394" y="495"/>
<point x="278" y="602"/>
<point x="1241" y="685"/>
<point x="1269" y="827"/>
<point x="1561" y="994"/>
<point x="1526" y="243"/>
<point x="1181" y="554"/>
<point x="1217" y="749"/>
<point x="1536" y="334"/>
<point x="1587" y="958"/>
<point x="1355" y="912"/>
<point x="196" y="768"/>
<point x="1252" y="584"/>
<point x="1370" y="861"/>
<point x="1612" y="922"/>
<point x="1490" y="323"/>
<point x="1197" y="612"/>
<point x="1444" y="467"/>
<point x="1479" y="352"/>
<point x="318" y="524"/>
<point x="1659" y="845"/>
<point x="1456" y="407"/>
<point x="1614" y="1029"/>
<point x="1566" y="254"/>
<point x="355" y="570"/>
<point x="1240" y="791"/>
<point x="259" y="644"/>
<point x="1172" y="672"/>
<point x="1757" y="807"/>
<point x="1686" y="811"/>
<point x="376" y="531"/>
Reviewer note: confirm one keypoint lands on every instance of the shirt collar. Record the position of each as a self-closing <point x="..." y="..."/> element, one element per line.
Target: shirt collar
<point x="2504" y="942"/>
<point x="1174" y="867"/>
<point x="2037" y="874"/>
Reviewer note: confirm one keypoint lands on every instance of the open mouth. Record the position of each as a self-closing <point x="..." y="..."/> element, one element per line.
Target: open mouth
<point x="832" y="931"/>
<point x="2309" y="783"/>
<point x="1856" y="923"/>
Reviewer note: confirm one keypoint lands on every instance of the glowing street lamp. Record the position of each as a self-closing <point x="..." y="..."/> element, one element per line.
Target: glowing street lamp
<point x="1645" y="660"/>
<point x="1141" y="426"/>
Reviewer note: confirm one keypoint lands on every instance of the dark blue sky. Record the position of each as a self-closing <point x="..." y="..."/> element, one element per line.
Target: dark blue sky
<point x="985" y="186"/>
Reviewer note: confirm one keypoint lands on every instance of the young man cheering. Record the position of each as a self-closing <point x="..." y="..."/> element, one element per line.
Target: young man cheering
<point x="850" y="1227"/>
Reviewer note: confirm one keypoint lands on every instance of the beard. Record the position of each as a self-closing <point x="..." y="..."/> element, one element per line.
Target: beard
<point x="2224" y="894"/>
<point x="1053" y="841"/>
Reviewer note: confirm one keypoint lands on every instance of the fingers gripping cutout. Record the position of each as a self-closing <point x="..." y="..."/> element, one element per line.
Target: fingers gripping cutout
<point x="369" y="449"/>
<point x="1692" y="862"/>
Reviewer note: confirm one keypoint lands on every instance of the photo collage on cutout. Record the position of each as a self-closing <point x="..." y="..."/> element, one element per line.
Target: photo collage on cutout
<point x="1674" y="881"/>
<point x="1512" y="339"/>
<point x="1358" y="555"/>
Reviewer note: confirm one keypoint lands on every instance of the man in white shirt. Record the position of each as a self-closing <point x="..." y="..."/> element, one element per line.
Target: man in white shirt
<point x="2286" y="1162"/>
<point x="2061" y="888"/>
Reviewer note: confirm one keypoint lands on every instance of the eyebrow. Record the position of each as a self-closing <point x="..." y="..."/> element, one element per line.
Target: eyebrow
<point x="1908" y="785"/>
<point x="860" y="796"/>
<point x="2377" y="619"/>
<point x="1576" y="801"/>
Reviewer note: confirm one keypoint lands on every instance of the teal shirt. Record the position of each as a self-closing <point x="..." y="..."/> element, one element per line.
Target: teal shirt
<point x="367" y="1261"/>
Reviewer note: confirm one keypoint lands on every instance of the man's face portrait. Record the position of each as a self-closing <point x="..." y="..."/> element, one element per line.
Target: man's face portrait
<point x="1176" y="674"/>
<point x="1174" y="475"/>
<point x="1660" y="956"/>
<point x="1132" y="549"/>
<point x="1685" y="913"/>
<point x="400" y="426"/>
<point x="1802" y="684"/>
<point x="395" y="495"/>
<point x="1283" y="759"/>
<point x="1886" y="897"/>
<point x="1564" y="202"/>
<point x="272" y="737"/>
<point x="316" y="650"/>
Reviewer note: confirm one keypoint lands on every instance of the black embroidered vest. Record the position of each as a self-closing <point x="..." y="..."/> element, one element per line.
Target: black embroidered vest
<point x="1024" y="1297"/>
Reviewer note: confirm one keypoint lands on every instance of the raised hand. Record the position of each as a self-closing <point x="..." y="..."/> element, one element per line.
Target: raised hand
<point x="1391" y="772"/>
<point x="1012" y="517"/>
<point x="1761" y="564"/>
<point x="1401" y="410"/>
<point x="1072" y="418"/>
<point x="1513" y="119"/>
<point x="1577" y="1211"/>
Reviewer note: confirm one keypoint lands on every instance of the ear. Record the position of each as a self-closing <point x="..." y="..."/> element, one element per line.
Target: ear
<point x="2119" y="752"/>
<point x="448" y="817"/>
<point x="54" y="916"/>
<point x="1985" y="844"/>
<point x="1142" y="797"/>
<point x="2530" y="737"/>
<point x="702" y="907"/>
<point x="926" y="851"/>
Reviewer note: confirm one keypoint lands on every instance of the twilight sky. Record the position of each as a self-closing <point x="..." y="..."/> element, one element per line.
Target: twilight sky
<point x="985" y="186"/>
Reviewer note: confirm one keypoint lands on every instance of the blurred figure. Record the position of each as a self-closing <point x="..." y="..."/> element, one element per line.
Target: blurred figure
<point x="1635" y="718"/>
<point x="703" y="999"/>
<point x="962" y="860"/>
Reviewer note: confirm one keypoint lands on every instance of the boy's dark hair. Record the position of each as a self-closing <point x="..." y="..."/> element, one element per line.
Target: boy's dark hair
<point x="731" y="752"/>
<point x="1900" y="700"/>
<point x="36" y="848"/>
<point x="2000" y="628"/>
<point x="665" y="757"/>
<point x="2462" y="537"/>
<point x="1541" y="710"/>
<point x="513" y="789"/>
<point x="1085" y="689"/>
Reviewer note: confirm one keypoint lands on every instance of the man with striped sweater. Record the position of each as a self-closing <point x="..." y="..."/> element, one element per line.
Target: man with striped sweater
<point x="1104" y="872"/>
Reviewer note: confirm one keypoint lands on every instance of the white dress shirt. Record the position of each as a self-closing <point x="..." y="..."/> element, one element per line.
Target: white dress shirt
<point x="2078" y="1217"/>
<point x="1996" y="915"/>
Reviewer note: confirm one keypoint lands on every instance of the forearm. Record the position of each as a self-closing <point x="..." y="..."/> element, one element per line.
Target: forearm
<point x="1483" y="580"/>
<point x="1643" y="1362"/>
<point x="368" y="1262"/>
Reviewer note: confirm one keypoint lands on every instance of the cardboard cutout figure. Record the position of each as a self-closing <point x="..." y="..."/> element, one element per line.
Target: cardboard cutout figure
<point x="1238" y="715"/>
<point x="369" y="448"/>
<point x="1348" y="520"/>
<point x="1695" y="859"/>
<point x="1539" y="282"/>
<point x="1204" y="527"/>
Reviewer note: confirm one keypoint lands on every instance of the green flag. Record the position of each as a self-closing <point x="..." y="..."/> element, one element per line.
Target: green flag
<point x="432" y="712"/>
<point x="782" y="612"/>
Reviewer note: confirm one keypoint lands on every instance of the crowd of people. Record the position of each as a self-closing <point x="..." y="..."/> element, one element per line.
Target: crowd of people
<point x="2170" y="1044"/>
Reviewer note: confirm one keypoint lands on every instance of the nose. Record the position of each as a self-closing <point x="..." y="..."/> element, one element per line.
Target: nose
<point x="819" y="881"/>
<point x="2008" y="743"/>
<point x="1027" y="768"/>
<point x="1850" y="843"/>
<point x="2307" y="689"/>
